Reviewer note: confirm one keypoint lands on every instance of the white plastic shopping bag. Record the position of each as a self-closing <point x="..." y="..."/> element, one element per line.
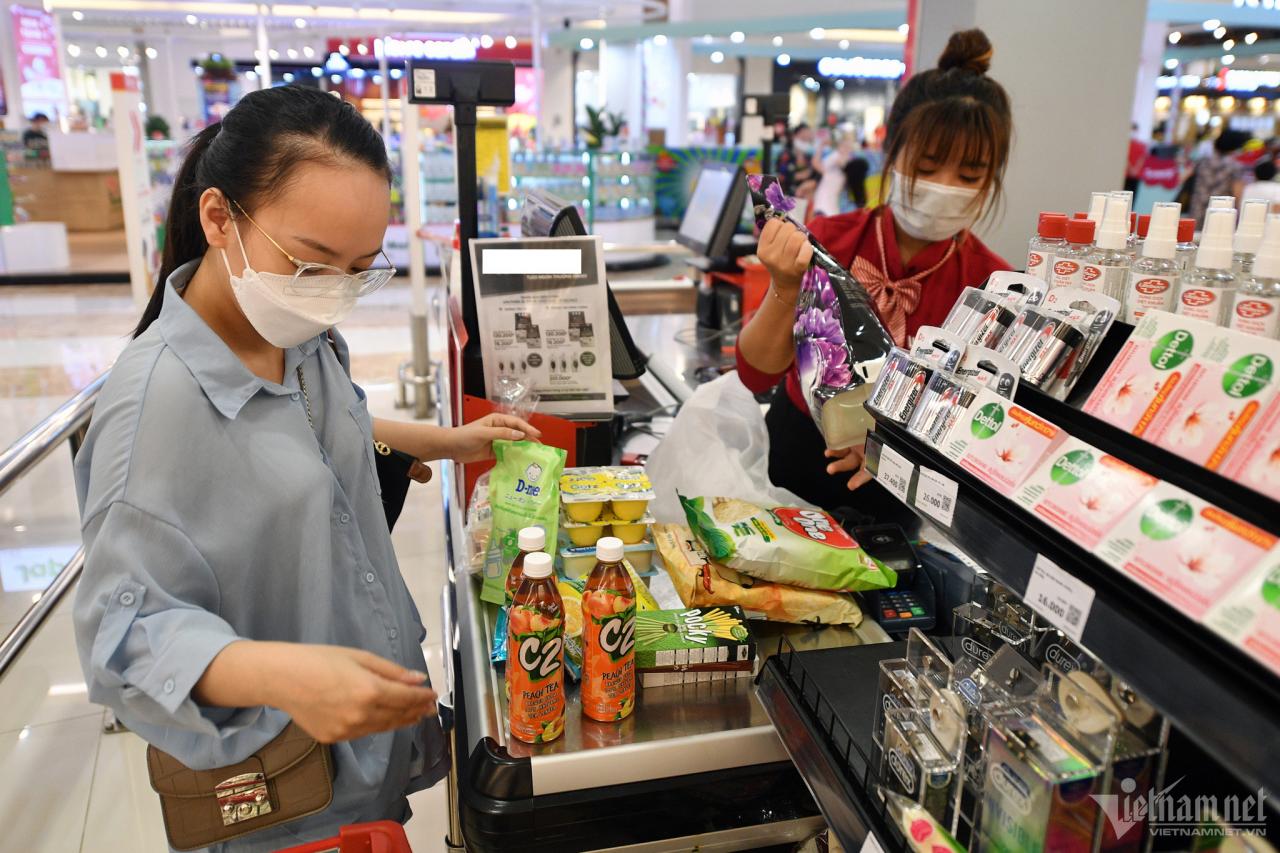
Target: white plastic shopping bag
<point x="718" y="446"/>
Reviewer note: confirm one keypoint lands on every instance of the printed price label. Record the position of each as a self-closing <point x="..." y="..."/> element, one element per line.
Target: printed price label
<point x="871" y="845"/>
<point x="424" y="82"/>
<point x="1059" y="597"/>
<point x="936" y="495"/>
<point x="894" y="472"/>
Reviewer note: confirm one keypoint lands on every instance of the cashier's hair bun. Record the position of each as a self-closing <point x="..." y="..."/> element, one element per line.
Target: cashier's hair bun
<point x="969" y="50"/>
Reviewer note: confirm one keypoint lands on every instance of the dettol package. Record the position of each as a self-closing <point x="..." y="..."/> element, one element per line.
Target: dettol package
<point x="999" y="442"/>
<point x="1184" y="549"/>
<point x="801" y="547"/>
<point x="524" y="491"/>
<point x="702" y="583"/>
<point x="1255" y="461"/>
<point x="1084" y="492"/>
<point x="1250" y="615"/>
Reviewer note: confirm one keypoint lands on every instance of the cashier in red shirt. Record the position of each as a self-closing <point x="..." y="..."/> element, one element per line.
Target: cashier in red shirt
<point x="946" y="147"/>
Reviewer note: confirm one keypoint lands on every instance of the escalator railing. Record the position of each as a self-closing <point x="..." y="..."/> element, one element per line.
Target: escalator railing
<point x="67" y="424"/>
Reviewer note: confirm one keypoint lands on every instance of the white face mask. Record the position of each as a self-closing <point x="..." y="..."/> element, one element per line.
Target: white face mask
<point x="280" y="313"/>
<point x="934" y="211"/>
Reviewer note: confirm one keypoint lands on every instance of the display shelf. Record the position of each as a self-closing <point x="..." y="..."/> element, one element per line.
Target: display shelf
<point x="609" y="186"/>
<point x="1214" y="693"/>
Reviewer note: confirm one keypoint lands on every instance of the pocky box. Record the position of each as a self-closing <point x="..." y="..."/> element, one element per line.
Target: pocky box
<point x="1183" y="549"/>
<point x="1250" y="615"/>
<point x="840" y="342"/>
<point x="1084" y="492"/>
<point x="1221" y="400"/>
<point x="1000" y="442"/>
<point x="1150" y="369"/>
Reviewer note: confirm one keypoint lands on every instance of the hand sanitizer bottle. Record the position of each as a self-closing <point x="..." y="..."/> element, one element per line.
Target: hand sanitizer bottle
<point x="1248" y="236"/>
<point x="1256" y="310"/>
<point x="1153" y="278"/>
<point x="1208" y="287"/>
<point x="1106" y="269"/>
<point x="1068" y="266"/>
<point x="1185" y="251"/>
<point x="1043" y="248"/>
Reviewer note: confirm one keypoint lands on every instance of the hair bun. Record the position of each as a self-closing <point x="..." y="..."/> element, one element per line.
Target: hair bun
<point x="967" y="49"/>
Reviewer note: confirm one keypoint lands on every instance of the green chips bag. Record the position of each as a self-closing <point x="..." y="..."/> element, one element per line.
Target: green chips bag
<point x="786" y="545"/>
<point x="524" y="491"/>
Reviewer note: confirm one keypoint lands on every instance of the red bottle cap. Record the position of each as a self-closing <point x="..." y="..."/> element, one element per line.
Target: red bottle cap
<point x="1186" y="230"/>
<point x="1144" y="225"/>
<point x="1080" y="215"/>
<point x="1053" y="226"/>
<point x="1133" y="222"/>
<point x="1080" y="231"/>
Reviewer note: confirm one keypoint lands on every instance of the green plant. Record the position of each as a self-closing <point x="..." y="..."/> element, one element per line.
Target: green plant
<point x="157" y="127"/>
<point x="218" y="67"/>
<point x="601" y="125"/>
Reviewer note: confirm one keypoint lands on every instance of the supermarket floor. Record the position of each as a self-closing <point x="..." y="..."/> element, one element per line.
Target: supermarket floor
<point x="64" y="784"/>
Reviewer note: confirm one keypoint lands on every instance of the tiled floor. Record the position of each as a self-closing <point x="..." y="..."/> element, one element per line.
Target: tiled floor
<point x="64" y="784"/>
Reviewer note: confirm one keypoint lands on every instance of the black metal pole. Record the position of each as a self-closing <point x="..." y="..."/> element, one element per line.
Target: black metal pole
<point x="464" y="140"/>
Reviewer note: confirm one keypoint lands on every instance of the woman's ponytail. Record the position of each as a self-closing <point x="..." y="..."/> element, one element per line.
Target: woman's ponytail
<point x="183" y="237"/>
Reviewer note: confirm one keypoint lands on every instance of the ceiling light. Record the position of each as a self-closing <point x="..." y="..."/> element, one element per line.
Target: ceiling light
<point x="1250" y="38"/>
<point x="73" y="49"/>
<point x="343" y="49"/>
<point x="737" y="36"/>
<point x="377" y="79"/>
<point x="396" y="73"/>
<point x="844" y="44"/>
<point x="1219" y="32"/>
<point x="904" y="28"/>
<point x="1175" y="37"/>
<point x="1211" y="24"/>
<point x="308" y="51"/>
<point x="586" y="44"/>
<point x="317" y="71"/>
<point x="252" y="75"/>
<point x="817" y="33"/>
<point x="840" y="83"/>
<point x="784" y="59"/>
<point x="1228" y="44"/>
<point x="273" y="53"/>
<point x="288" y="76"/>
<point x="77" y="15"/>
<point x="362" y="48"/>
<point x="336" y="78"/>
<point x="660" y="40"/>
<point x="717" y="56"/>
<point x="357" y="73"/>
<point x="152" y="53"/>
<point x="486" y="41"/>
<point x="1171" y="64"/>
<point x="510" y="42"/>
<point x="192" y="20"/>
<point x="101" y="51"/>
<point x="292" y="53"/>
<point x="1228" y="59"/>
<point x="122" y="51"/>
<point x="300" y="23"/>
<point x="777" y="41"/>
<point x="706" y="38"/>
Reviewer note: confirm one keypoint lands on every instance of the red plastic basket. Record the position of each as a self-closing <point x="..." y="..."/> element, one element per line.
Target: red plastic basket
<point x="382" y="836"/>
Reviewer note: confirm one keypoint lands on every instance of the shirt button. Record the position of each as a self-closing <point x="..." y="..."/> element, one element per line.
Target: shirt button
<point x="369" y="577"/>
<point x="344" y="518"/>
<point x="295" y="396"/>
<point x="393" y="633"/>
<point x="126" y="598"/>
<point x="168" y="685"/>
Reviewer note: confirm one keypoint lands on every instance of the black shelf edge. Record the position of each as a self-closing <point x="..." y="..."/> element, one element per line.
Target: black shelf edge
<point x="1214" y="693"/>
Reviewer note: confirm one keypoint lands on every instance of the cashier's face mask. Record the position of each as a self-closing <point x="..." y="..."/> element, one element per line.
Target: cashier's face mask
<point x="931" y="211"/>
<point x="285" y="310"/>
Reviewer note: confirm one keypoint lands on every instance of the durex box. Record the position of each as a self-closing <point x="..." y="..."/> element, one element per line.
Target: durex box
<point x="1184" y="549"/>
<point x="1151" y="368"/>
<point x="1250" y="615"/>
<point x="1084" y="492"/>
<point x="999" y="442"/>
<point x="1221" y="399"/>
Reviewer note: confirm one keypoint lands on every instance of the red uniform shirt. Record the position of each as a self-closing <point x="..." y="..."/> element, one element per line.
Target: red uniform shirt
<point x="851" y="236"/>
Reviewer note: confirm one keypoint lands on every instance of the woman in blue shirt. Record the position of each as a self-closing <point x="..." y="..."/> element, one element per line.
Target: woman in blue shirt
<point x="239" y="571"/>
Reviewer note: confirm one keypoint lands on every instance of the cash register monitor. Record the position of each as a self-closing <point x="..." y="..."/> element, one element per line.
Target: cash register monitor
<point x="545" y="215"/>
<point x="714" y="211"/>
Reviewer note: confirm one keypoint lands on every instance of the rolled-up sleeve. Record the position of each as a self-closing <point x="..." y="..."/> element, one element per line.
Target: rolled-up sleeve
<point x="757" y="381"/>
<point x="147" y="628"/>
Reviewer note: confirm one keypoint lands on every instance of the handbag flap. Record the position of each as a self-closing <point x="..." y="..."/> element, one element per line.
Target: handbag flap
<point x="171" y="778"/>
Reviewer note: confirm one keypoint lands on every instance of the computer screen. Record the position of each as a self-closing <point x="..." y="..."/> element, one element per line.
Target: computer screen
<point x="704" y="228"/>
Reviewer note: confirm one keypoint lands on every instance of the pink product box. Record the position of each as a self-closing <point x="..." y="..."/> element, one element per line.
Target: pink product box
<point x="1250" y="616"/>
<point x="1255" y="461"/>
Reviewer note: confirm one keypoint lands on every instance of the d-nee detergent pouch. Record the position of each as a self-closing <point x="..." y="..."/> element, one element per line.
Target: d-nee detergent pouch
<point x="524" y="491"/>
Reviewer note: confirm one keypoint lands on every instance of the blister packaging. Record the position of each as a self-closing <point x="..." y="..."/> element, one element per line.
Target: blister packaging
<point x="980" y="317"/>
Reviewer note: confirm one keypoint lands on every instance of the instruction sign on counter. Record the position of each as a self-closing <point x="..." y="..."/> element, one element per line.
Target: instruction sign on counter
<point x="544" y="320"/>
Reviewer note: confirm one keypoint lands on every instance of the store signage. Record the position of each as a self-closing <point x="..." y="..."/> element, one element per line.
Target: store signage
<point x="35" y="43"/>
<point x="861" y="66"/>
<point x="1230" y="80"/>
<point x="394" y="47"/>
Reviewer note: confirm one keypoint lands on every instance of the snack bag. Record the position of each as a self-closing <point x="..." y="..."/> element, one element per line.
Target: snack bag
<point x="524" y="491"/>
<point x="702" y="583"/>
<point x="840" y="343"/>
<point x="788" y="545"/>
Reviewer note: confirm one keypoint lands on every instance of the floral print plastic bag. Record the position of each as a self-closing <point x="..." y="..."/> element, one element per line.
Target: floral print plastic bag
<point x="840" y="343"/>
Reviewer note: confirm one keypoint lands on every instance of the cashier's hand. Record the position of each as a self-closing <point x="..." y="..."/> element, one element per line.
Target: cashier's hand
<point x="335" y="693"/>
<point x="474" y="441"/>
<point x="785" y="252"/>
<point x="846" y="460"/>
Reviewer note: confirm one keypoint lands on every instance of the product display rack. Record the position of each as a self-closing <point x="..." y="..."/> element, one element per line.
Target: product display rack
<point x="1214" y="693"/>
<point x="609" y="186"/>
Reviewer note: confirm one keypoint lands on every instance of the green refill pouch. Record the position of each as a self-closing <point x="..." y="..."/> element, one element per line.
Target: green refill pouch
<point x="524" y="491"/>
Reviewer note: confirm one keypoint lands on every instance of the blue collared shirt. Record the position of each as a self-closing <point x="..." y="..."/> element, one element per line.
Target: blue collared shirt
<point x="212" y="511"/>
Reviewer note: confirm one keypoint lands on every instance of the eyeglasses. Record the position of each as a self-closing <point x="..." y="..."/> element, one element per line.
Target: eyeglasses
<point x="313" y="279"/>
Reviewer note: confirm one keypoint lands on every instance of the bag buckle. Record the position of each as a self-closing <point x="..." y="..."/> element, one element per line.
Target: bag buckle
<point x="242" y="798"/>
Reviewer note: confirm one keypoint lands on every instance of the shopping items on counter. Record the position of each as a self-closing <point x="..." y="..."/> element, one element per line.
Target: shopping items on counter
<point x="584" y="534"/>
<point x="921" y="830"/>
<point x="535" y="655"/>
<point x="700" y="582"/>
<point x="608" y="649"/>
<point x="524" y="491"/>
<point x="479" y="524"/>
<point x="576" y="561"/>
<point x="622" y="493"/>
<point x="690" y="645"/>
<point x="791" y="545"/>
<point x="718" y="443"/>
<point x="840" y="342"/>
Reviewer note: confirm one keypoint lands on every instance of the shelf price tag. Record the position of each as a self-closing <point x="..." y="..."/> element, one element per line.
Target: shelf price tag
<point x="894" y="472"/>
<point x="936" y="496"/>
<point x="871" y="844"/>
<point x="1058" y="596"/>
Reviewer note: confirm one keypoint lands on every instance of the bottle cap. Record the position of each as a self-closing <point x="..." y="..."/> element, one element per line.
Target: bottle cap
<point x="1115" y="222"/>
<point x="1215" y="241"/>
<point x="1080" y="231"/>
<point x="1249" y="232"/>
<point x="1097" y="204"/>
<point x="1144" y="226"/>
<point x="1133" y="223"/>
<point x="1053" y="226"/>
<point x="532" y="539"/>
<point x="1186" y="230"/>
<point x="609" y="549"/>
<point x="1079" y="215"/>
<point x="1266" y="264"/>
<point x="537" y="566"/>
<point x="1163" y="230"/>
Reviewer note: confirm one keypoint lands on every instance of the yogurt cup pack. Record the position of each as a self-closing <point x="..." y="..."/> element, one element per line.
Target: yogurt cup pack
<point x="621" y="492"/>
